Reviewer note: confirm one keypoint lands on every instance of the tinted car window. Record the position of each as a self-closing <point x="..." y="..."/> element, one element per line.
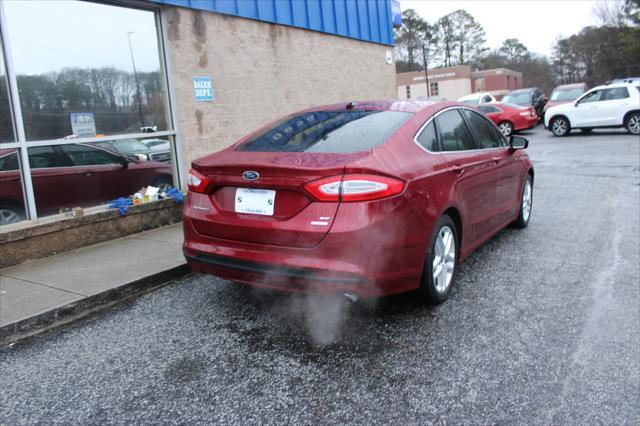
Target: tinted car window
<point x="487" y="109"/>
<point x="41" y="157"/>
<point x="592" y="97"/>
<point x="486" y="99"/>
<point x="615" y="93"/>
<point x="518" y="98"/>
<point x="454" y="133"/>
<point x="486" y="133"/>
<point x="428" y="139"/>
<point x="328" y="131"/>
<point x="9" y="162"/>
<point x="86" y="156"/>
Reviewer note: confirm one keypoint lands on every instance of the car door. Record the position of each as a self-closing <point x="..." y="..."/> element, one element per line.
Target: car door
<point x="104" y="176"/>
<point x="507" y="168"/>
<point x="586" y="112"/>
<point x="56" y="183"/>
<point x="472" y="173"/>
<point x="615" y="103"/>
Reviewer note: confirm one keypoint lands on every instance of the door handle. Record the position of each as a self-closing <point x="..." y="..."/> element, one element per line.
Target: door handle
<point x="458" y="170"/>
<point x="496" y="160"/>
<point x="88" y="174"/>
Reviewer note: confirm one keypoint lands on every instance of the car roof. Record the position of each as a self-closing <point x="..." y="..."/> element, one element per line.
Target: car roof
<point x="409" y="105"/>
<point x="474" y="96"/>
<point x="525" y="90"/>
<point x="614" y="86"/>
<point x="570" y="86"/>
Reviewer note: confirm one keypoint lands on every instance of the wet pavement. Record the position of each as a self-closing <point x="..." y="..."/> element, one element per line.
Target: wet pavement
<point x="543" y="327"/>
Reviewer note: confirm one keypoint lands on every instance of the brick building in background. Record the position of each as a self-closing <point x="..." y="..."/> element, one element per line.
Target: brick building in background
<point x="451" y="83"/>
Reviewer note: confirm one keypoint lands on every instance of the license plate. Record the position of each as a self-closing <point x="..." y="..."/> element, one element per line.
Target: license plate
<point x="255" y="201"/>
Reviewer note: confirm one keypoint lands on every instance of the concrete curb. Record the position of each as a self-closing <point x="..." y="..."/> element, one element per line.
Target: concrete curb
<point x="73" y="311"/>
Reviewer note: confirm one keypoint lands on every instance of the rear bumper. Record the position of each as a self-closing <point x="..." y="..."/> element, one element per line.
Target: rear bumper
<point x="346" y="260"/>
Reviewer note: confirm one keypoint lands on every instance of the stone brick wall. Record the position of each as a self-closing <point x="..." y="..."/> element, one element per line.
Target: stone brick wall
<point x="261" y="71"/>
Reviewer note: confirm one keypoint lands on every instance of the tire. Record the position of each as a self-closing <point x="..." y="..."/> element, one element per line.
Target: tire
<point x="633" y="123"/>
<point x="10" y="214"/>
<point x="435" y="288"/>
<point x="586" y="131"/>
<point x="560" y="126"/>
<point x="506" y="128"/>
<point x="526" y="203"/>
<point x="163" y="184"/>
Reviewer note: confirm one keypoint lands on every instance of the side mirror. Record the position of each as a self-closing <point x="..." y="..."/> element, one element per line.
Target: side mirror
<point x="518" y="142"/>
<point x="123" y="162"/>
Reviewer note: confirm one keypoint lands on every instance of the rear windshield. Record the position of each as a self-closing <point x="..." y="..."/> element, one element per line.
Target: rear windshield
<point x="566" y="94"/>
<point x="328" y="132"/>
<point x="518" y="98"/>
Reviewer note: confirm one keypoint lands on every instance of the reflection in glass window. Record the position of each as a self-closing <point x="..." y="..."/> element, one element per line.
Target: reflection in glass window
<point x="328" y="131"/>
<point x="11" y="200"/>
<point x="6" y="120"/>
<point x="486" y="132"/>
<point x="81" y="175"/>
<point x="75" y="56"/>
<point x="454" y="133"/>
<point x="428" y="138"/>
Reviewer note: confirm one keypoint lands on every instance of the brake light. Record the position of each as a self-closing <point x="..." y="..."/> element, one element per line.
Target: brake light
<point x="354" y="187"/>
<point x="196" y="181"/>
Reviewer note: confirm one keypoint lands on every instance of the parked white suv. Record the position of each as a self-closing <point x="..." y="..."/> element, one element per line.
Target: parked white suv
<point x="614" y="105"/>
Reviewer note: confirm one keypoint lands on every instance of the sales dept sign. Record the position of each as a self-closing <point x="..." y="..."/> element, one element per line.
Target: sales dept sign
<point x="83" y="124"/>
<point x="203" y="88"/>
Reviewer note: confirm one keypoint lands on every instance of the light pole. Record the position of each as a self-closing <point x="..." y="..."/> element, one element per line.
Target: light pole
<point x="135" y="75"/>
<point x="426" y="75"/>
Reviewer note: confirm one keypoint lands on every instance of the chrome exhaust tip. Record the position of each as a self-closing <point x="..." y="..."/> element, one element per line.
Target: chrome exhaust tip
<point x="350" y="298"/>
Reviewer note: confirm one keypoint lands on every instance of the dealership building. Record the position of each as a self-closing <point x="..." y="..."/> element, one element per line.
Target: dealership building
<point x="451" y="83"/>
<point x="166" y="81"/>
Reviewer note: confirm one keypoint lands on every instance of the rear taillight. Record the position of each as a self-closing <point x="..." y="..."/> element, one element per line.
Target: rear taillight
<point x="196" y="181"/>
<point x="354" y="187"/>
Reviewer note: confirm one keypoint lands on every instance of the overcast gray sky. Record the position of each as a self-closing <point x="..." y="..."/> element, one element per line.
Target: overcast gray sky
<point x="536" y="23"/>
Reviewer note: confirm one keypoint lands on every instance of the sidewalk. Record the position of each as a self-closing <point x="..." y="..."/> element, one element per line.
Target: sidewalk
<point x="59" y="288"/>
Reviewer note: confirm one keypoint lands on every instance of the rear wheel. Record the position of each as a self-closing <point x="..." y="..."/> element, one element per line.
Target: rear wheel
<point x="526" y="202"/>
<point x="560" y="126"/>
<point x="633" y="123"/>
<point x="506" y="128"/>
<point x="10" y="214"/>
<point x="440" y="263"/>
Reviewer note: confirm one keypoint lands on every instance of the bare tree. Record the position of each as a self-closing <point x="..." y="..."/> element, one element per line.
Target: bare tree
<point x="611" y="13"/>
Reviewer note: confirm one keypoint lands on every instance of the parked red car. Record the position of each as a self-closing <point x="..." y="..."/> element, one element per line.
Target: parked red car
<point x="510" y="118"/>
<point x="66" y="176"/>
<point x="565" y="93"/>
<point x="360" y="200"/>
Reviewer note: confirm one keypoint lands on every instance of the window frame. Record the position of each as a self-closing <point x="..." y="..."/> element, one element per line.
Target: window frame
<point x="476" y="138"/>
<point x="22" y="144"/>
<point x="432" y="119"/>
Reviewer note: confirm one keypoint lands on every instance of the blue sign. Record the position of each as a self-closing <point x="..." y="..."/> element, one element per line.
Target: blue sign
<point x="396" y="13"/>
<point x="203" y="88"/>
<point x="83" y="124"/>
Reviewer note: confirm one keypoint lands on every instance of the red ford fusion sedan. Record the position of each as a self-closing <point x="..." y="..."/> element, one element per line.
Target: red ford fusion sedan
<point x="510" y="118"/>
<point x="362" y="200"/>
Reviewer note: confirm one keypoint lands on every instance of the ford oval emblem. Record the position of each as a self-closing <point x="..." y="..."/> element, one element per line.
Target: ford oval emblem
<point x="250" y="175"/>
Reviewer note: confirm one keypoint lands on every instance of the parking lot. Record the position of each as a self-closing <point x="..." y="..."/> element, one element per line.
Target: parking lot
<point x="543" y="327"/>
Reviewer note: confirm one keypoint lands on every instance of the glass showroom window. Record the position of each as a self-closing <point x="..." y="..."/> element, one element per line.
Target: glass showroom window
<point x="6" y="121"/>
<point x="90" y="81"/>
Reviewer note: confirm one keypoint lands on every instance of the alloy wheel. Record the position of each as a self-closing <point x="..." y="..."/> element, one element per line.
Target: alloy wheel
<point x="526" y="200"/>
<point x="8" y="216"/>
<point x="444" y="259"/>
<point x="559" y="127"/>
<point x="634" y="124"/>
<point x="505" y="128"/>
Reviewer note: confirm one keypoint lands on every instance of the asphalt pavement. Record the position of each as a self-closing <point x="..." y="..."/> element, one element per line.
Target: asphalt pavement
<point x="543" y="327"/>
